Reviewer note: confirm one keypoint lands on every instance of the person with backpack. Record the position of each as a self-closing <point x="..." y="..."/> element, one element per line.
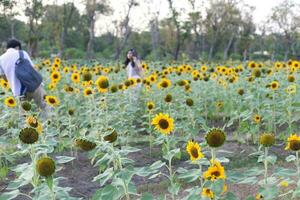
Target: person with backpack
<point x="25" y="82"/>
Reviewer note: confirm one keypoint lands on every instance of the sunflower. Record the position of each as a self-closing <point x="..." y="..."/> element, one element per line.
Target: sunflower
<point x="55" y="76"/>
<point x="45" y="166"/>
<point x="29" y="135"/>
<point x="150" y="105"/>
<point x="85" y="144"/>
<point x="267" y="139"/>
<point x="52" y="100"/>
<point x="164" y="83"/>
<point x="203" y="69"/>
<point x="189" y="102"/>
<point x="291" y="78"/>
<point x="75" y="77"/>
<point x="163" y="123"/>
<point x="112" y="137"/>
<point x="291" y="89"/>
<point x="87" y="76"/>
<point x="293" y="143"/>
<point x="168" y="98"/>
<point x="10" y="102"/>
<point x="114" y="88"/>
<point x="4" y="84"/>
<point x="66" y="70"/>
<point x="274" y="85"/>
<point x="194" y="150"/>
<point x="259" y="196"/>
<point x="241" y="92"/>
<point x="32" y="121"/>
<point x="206" y="192"/>
<point x="256" y="118"/>
<point x="215" y="137"/>
<point x="26" y="106"/>
<point x="88" y="91"/>
<point x="102" y="84"/>
<point x="215" y="171"/>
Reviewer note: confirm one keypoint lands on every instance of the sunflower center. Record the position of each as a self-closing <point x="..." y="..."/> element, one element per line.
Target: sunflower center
<point x="163" y="124"/>
<point x="55" y="76"/>
<point x="216" y="173"/>
<point x="11" y="101"/>
<point x="52" y="101"/>
<point x="194" y="152"/>
<point x="164" y="84"/>
<point x="295" y="145"/>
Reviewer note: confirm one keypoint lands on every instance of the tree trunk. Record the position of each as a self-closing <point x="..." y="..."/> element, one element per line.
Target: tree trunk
<point x="226" y="50"/>
<point x="90" y="46"/>
<point x="155" y="37"/>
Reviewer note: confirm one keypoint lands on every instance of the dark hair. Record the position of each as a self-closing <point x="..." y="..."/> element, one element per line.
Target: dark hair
<point x="127" y="60"/>
<point x="13" y="44"/>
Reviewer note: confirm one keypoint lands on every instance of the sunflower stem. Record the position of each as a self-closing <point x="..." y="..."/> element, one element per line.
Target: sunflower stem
<point x="297" y="163"/>
<point x="273" y="113"/>
<point x="150" y="133"/>
<point x="213" y="154"/>
<point x="266" y="165"/>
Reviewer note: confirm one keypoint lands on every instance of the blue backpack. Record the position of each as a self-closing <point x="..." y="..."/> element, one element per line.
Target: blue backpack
<point x="30" y="79"/>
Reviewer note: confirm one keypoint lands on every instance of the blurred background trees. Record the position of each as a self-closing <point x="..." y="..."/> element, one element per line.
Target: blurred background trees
<point x="218" y="30"/>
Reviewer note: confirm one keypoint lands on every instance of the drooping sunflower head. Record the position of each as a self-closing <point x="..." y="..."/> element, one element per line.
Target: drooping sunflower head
<point x="241" y="91"/>
<point x="45" y="166"/>
<point x="256" y="73"/>
<point x="85" y="144"/>
<point x="102" y="83"/>
<point x="293" y="143"/>
<point x="26" y="106"/>
<point x="52" y="100"/>
<point x="10" y="102"/>
<point x="87" y="76"/>
<point x="71" y="111"/>
<point x="163" y="123"/>
<point x="267" y="139"/>
<point x="32" y="121"/>
<point x="215" y="137"/>
<point x="164" y="83"/>
<point x="112" y="137"/>
<point x="168" y="98"/>
<point x="88" y="91"/>
<point x="291" y="78"/>
<point x="194" y="150"/>
<point x="189" y="102"/>
<point x="28" y="135"/>
<point x="114" y="88"/>
<point x="150" y="105"/>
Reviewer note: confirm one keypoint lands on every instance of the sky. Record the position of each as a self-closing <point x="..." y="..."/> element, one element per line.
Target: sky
<point x="148" y="8"/>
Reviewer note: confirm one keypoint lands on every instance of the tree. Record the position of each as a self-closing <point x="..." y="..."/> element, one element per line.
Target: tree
<point x="123" y="30"/>
<point x="34" y="11"/>
<point x="285" y="19"/>
<point x="93" y="8"/>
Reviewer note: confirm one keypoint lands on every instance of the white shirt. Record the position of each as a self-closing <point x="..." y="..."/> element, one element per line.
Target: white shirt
<point x="7" y="68"/>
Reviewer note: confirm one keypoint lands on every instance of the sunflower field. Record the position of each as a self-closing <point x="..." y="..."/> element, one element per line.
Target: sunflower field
<point x="191" y="131"/>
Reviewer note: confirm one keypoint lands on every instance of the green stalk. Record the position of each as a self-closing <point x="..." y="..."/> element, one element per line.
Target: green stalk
<point x="266" y="165"/>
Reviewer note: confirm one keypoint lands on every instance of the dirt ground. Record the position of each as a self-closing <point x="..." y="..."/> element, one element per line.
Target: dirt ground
<point x="80" y="173"/>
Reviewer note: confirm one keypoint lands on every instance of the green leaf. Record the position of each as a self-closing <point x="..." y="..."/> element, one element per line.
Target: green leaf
<point x="290" y="158"/>
<point x="230" y="196"/>
<point x="109" y="192"/>
<point x="269" y="192"/>
<point x="147" y="196"/>
<point x="172" y="153"/>
<point x="9" y="195"/>
<point x="63" y="159"/>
